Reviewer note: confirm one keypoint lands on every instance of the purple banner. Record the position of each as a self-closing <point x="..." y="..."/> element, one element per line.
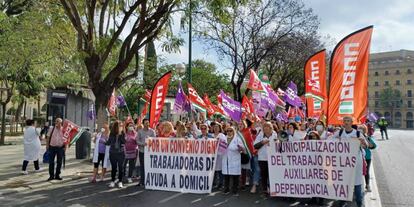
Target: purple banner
<point x="180" y="104"/>
<point x="291" y="95"/>
<point x="231" y="107"/>
<point x="282" y="116"/>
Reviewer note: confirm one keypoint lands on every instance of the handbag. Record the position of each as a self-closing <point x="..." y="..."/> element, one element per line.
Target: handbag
<point x="46" y="156"/>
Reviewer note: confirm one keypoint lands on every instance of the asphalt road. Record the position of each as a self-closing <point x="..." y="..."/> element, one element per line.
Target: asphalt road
<point x="394" y="168"/>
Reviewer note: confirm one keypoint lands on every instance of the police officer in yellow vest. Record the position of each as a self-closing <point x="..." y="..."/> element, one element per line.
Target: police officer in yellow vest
<point x="383" y="124"/>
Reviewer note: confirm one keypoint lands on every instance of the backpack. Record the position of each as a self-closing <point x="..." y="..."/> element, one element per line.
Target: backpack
<point x="342" y="131"/>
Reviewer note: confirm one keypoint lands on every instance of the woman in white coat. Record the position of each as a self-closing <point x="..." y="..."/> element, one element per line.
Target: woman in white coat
<point x="101" y="153"/>
<point x="31" y="146"/>
<point x="231" y="162"/>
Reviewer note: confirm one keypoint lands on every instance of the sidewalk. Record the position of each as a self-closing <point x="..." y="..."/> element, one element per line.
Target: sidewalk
<point x="12" y="181"/>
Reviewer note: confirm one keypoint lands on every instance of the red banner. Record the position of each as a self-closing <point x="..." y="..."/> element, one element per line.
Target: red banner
<point x="349" y="77"/>
<point x="254" y="82"/>
<point x="112" y="104"/>
<point x="194" y="97"/>
<point x="69" y="130"/>
<point x="158" y="98"/>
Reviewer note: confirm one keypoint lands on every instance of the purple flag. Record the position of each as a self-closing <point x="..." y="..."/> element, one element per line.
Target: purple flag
<point x="282" y="116"/>
<point x="291" y="95"/>
<point x="120" y="101"/>
<point x="91" y="112"/>
<point x="231" y="107"/>
<point x="181" y="104"/>
<point x="260" y="105"/>
<point x="372" y="117"/>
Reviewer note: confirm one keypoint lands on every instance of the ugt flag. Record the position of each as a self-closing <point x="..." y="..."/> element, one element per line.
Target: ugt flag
<point x="231" y="107"/>
<point x="112" y="104"/>
<point x="180" y="100"/>
<point x="159" y="92"/>
<point x="349" y="77"/>
<point x="291" y="95"/>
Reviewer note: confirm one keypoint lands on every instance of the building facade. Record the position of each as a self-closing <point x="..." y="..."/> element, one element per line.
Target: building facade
<point x="393" y="69"/>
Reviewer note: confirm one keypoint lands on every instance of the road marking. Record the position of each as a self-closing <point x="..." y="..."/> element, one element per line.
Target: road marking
<point x="196" y="200"/>
<point x="372" y="199"/>
<point x="171" y="197"/>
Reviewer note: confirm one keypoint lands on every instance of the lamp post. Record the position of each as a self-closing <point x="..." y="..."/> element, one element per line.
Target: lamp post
<point x="180" y="68"/>
<point x="189" y="43"/>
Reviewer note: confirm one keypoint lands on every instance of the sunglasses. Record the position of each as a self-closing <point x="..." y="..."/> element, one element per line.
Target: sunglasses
<point x="229" y="131"/>
<point x="203" y="128"/>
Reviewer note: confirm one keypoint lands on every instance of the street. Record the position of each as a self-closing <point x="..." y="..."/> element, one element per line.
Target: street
<point x="393" y="162"/>
<point x="393" y="171"/>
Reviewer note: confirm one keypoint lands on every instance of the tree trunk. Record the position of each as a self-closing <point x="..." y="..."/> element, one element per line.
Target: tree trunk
<point x="19" y="110"/>
<point x="3" y="123"/>
<point x="101" y="116"/>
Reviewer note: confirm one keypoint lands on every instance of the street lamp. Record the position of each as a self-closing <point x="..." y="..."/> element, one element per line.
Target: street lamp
<point x="180" y="68"/>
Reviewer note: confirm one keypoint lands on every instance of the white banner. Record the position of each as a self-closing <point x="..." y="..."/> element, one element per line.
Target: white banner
<point x="319" y="168"/>
<point x="179" y="164"/>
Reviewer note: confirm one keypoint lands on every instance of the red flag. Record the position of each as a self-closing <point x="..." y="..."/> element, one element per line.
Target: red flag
<point x="147" y="95"/>
<point x="69" y="130"/>
<point x="209" y="105"/>
<point x="158" y="97"/>
<point x="349" y="77"/>
<point x="315" y="76"/>
<point x="254" y="82"/>
<point x="194" y="97"/>
<point x="248" y="108"/>
<point x="112" y="104"/>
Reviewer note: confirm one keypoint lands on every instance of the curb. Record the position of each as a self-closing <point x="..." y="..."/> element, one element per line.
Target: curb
<point x="372" y="199"/>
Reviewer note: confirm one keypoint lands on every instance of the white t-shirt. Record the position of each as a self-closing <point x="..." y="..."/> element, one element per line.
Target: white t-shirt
<point x="359" y="171"/>
<point x="262" y="152"/>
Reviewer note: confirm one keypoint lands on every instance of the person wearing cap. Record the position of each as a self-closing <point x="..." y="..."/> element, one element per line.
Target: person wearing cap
<point x="383" y="124"/>
<point x="348" y="132"/>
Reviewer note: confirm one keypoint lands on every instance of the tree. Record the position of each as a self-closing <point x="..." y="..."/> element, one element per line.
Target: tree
<point x="390" y="99"/>
<point x="99" y="26"/>
<point x="32" y="51"/>
<point x="252" y="31"/>
<point x="286" y="62"/>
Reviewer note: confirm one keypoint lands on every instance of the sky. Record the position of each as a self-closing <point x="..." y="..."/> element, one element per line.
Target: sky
<point x="393" y="22"/>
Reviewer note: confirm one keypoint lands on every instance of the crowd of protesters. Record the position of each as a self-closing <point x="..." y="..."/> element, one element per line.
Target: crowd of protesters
<point x="122" y="144"/>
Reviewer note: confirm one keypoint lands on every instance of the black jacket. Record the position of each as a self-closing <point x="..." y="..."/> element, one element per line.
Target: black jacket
<point x="117" y="143"/>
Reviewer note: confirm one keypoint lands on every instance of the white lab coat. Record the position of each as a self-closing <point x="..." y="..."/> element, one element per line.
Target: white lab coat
<point x="31" y="144"/>
<point x="231" y="162"/>
<point x="107" y="163"/>
<point x="219" y="158"/>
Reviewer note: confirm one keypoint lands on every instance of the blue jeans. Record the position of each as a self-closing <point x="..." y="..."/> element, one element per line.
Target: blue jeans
<point x="255" y="175"/>
<point x="359" y="195"/>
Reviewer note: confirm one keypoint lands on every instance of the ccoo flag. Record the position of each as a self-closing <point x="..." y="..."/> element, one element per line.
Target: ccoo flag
<point x="159" y="92"/>
<point x="315" y="76"/>
<point x="349" y="77"/>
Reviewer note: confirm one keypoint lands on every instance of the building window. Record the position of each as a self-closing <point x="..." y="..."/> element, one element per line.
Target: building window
<point x="376" y="73"/>
<point x="397" y="82"/>
<point x="386" y="83"/>
<point x="376" y="83"/>
<point x="376" y="94"/>
<point x="397" y="72"/>
<point x="409" y="104"/>
<point x="409" y="71"/>
<point x="386" y="72"/>
<point x="409" y="93"/>
<point x="376" y="104"/>
<point x="409" y="82"/>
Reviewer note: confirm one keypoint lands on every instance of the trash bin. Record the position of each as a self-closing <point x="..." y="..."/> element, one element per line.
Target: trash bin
<point x="83" y="145"/>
